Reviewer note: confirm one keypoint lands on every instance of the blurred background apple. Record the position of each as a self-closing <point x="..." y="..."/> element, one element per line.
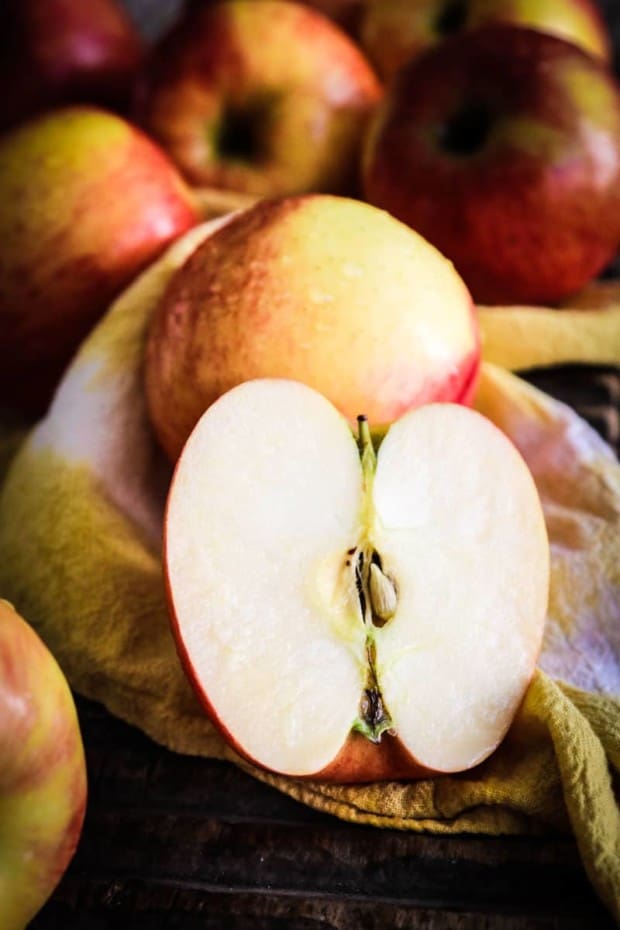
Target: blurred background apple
<point x="87" y="201"/>
<point x="55" y="52"/>
<point x="394" y="31"/>
<point x="259" y="96"/>
<point x="502" y="147"/>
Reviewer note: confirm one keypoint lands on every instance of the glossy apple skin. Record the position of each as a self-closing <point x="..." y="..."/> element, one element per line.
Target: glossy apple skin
<point x="527" y="202"/>
<point x="42" y="772"/>
<point x="394" y="31"/>
<point x="260" y="97"/>
<point x="293" y="288"/>
<point x="87" y="202"/>
<point x="56" y="52"/>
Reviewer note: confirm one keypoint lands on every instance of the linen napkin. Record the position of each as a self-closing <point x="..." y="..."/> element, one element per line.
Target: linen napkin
<point x="80" y="526"/>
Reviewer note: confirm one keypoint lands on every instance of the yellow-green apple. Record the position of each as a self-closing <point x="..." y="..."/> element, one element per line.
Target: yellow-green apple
<point x="381" y="617"/>
<point x="55" y="52"/>
<point x="502" y="147"/>
<point x="260" y="96"/>
<point x="394" y="31"/>
<point x="323" y="289"/>
<point x="87" y="201"/>
<point x="42" y="772"/>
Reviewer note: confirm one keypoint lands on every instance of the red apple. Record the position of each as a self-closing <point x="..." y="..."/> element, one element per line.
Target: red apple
<point x="87" y="202"/>
<point x="394" y="31"/>
<point x="348" y="618"/>
<point x="323" y="289"/>
<point x="259" y="96"/>
<point x="42" y="772"/>
<point x="502" y="147"/>
<point x="56" y="52"/>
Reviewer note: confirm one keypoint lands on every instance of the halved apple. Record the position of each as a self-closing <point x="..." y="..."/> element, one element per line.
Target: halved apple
<point x="347" y="616"/>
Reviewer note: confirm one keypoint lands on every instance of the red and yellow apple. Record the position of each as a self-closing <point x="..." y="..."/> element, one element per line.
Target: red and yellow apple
<point x="42" y="772"/>
<point x="87" y="202"/>
<point x="55" y="52"/>
<point x="259" y="96"/>
<point x="345" y="617"/>
<point x="323" y="289"/>
<point x="393" y="32"/>
<point x="502" y="147"/>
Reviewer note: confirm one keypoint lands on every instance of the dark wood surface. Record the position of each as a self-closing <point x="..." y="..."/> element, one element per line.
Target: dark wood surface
<point x="178" y="843"/>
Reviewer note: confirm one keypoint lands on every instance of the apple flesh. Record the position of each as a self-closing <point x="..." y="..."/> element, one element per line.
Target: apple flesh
<point x="260" y="97"/>
<point x="392" y="32"/>
<point x="55" y="52"/>
<point x="347" y="618"/>
<point x="502" y="148"/>
<point x="323" y="289"/>
<point x="42" y="772"/>
<point x="87" y="202"/>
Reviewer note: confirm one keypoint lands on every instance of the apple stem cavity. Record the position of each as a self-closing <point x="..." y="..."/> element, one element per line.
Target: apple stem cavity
<point x="452" y="17"/>
<point x="466" y="131"/>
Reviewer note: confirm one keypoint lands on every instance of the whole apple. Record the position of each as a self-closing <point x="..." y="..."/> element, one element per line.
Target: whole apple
<point x="394" y="31"/>
<point x="55" y="52"/>
<point x="323" y="289"/>
<point x="87" y="202"/>
<point x="259" y="96"/>
<point x="42" y="772"/>
<point x="502" y="147"/>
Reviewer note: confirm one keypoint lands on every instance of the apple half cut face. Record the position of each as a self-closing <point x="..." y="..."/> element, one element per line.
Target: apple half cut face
<point x="346" y="616"/>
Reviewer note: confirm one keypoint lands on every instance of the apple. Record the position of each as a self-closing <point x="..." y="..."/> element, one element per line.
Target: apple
<point x="345" y="617"/>
<point x="259" y="96"/>
<point x="502" y="147"/>
<point x="394" y="31"/>
<point x="42" y="772"/>
<point x="323" y="289"/>
<point x="55" y="52"/>
<point x="343" y="12"/>
<point x="87" y="202"/>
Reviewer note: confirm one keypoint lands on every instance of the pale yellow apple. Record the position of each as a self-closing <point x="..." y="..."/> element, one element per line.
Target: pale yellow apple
<point x="326" y="290"/>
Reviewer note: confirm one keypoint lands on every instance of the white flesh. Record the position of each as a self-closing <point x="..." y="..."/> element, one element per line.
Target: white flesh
<point x="459" y="525"/>
<point x="265" y="502"/>
<point x="267" y="499"/>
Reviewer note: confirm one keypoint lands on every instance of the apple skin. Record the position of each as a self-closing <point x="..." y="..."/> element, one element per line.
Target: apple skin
<point x="56" y="52"/>
<point x="42" y="772"/>
<point x="87" y="202"/>
<point x="317" y="288"/>
<point x="259" y="96"/>
<point x="502" y="147"/>
<point x="394" y="31"/>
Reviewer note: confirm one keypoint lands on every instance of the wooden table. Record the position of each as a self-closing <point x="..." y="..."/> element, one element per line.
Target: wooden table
<point x="177" y="843"/>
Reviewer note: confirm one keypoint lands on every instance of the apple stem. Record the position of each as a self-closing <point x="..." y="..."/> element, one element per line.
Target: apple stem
<point x="367" y="449"/>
